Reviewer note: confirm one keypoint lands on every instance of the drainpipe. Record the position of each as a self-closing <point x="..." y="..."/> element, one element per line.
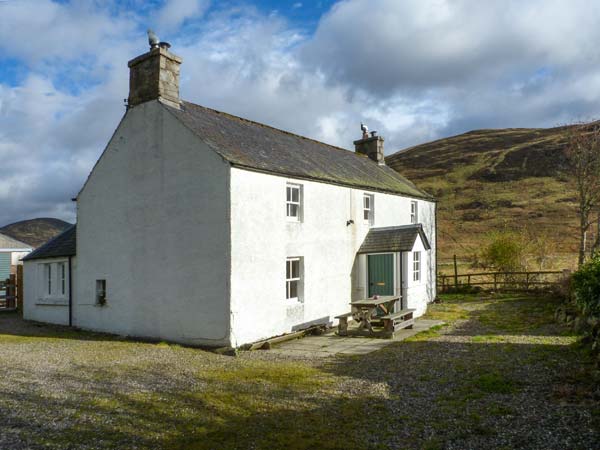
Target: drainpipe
<point x="70" y="295"/>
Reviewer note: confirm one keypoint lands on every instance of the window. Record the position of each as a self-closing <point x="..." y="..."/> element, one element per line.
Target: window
<point x="48" y="278"/>
<point x="62" y="277"/>
<point x="293" y="202"/>
<point x="414" y="212"/>
<point x="416" y="266"/>
<point x="368" y="208"/>
<point x="100" y="292"/>
<point x="292" y="279"/>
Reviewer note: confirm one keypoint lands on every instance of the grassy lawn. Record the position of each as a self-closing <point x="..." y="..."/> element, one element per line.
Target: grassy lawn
<point x="501" y="374"/>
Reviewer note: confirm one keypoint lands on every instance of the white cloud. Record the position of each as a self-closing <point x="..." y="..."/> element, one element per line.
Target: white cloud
<point x="412" y="70"/>
<point x="175" y="12"/>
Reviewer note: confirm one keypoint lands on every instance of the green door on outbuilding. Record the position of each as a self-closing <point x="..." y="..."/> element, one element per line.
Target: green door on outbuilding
<point x="381" y="274"/>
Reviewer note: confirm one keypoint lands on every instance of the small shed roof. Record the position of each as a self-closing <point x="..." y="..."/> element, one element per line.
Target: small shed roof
<point x="393" y="239"/>
<point x="8" y="243"/>
<point x="60" y="246"/>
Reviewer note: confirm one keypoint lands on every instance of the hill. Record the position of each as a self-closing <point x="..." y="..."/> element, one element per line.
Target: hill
<point x="35" y="232"/>
<point x="488" y="180"/>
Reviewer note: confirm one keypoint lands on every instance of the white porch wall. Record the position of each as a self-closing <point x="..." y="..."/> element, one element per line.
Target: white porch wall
<point x="153" y="221"/>
<point x="37" y="305"/>
<point x="262" y="239"/>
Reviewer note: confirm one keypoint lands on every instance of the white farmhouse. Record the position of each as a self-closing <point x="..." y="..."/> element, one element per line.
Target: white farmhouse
<point x="199" y="227"/>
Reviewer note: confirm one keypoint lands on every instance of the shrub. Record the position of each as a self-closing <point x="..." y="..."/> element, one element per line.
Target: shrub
<point x="586" y="287"/>
<point x="505" y="252"/>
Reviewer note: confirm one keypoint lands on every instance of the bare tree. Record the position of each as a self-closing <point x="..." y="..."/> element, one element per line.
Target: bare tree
<point x="583" y="152"/>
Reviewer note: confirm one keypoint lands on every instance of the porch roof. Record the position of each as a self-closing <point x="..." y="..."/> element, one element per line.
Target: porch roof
<point x="393" y="239"/>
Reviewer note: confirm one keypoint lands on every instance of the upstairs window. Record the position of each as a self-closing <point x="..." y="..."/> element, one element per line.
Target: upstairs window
<point x="292" y="279"/>
<point x="368" y="208"/>
<point x="416" y="266"/>
<point x="293" y="202"/>
<point x="414" y="212"/>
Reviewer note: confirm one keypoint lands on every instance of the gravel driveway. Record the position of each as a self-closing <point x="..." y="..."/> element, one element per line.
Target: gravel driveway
<point x="500" y="375"/>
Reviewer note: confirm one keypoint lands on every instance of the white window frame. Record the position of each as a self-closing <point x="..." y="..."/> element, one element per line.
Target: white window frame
<point x="62" y="278"/>
<point x="291" y="279"/>
<point x="369" y="209"/>
<point x="290" y="188"/>
<point x="414" y="212"/>
<point x="47" y="279"/>
<point x="101" y="292"/>
<point x="416" y="266"/>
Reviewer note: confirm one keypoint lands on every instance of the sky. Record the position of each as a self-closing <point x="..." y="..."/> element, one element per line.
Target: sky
<point x="414" y="70"/>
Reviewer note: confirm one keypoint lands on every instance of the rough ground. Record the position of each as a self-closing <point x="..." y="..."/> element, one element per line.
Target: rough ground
<point x="502" y="375"/>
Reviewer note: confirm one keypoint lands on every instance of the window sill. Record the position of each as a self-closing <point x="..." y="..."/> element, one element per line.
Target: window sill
<point x="52" y="302"/>
<point x="289" y="302"/>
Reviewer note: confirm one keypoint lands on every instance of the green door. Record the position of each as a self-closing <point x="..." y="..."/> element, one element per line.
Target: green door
<point x="381" y="274"/>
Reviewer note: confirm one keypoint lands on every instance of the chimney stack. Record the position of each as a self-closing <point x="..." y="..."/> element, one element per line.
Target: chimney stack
<point x="371" y="146"/>
<point x="155" y="75"/>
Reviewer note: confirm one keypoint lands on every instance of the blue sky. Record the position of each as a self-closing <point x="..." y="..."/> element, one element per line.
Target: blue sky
<point x="414" y="70"/>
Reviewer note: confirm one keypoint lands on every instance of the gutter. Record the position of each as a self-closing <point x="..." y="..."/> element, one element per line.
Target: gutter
<point x="70" y="295"/>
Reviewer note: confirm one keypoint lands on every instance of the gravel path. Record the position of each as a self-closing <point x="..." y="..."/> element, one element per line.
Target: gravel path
<point x="501" y="375"/>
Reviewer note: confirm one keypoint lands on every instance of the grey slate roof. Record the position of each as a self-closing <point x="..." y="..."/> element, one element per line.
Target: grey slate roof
<point x="62" y="245"/>
<point x="255" y="146"/>
<point x="6" y="242"/>
<point x="393" y="239"/>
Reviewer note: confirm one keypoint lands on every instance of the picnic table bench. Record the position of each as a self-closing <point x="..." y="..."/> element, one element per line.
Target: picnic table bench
<point x="364" y="312"/>
<point x="398" y="320"/>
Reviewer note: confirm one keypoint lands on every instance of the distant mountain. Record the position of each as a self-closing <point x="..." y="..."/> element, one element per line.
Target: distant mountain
<point x="35" y="232"/>
<point x="487" y="180"/>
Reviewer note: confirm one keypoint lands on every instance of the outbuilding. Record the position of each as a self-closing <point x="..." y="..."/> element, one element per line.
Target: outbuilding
<point x="48" y="289"/>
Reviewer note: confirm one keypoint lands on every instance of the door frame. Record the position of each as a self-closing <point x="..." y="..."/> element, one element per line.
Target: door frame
<point x="395" y="270"/>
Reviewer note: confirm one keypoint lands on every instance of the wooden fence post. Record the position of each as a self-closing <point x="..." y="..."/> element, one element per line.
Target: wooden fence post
<point x="11" y="291"/>
<point x="20" y="296"/>
<point x="455" y="273"/>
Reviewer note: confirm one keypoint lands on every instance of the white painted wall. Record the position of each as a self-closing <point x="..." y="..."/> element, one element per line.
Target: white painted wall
<point x="15" y="257"/>
<point x="153" y="221"/>
<point x="262" y="239"/>
<point x="38" y="305"/>
<point x="424" y="289"/>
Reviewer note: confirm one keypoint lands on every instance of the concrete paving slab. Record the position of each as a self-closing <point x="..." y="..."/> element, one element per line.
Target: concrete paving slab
<point x="331" y="344"/>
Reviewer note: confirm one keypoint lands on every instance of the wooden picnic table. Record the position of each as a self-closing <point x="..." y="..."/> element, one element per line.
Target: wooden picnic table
<point x="364" y="310"/>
